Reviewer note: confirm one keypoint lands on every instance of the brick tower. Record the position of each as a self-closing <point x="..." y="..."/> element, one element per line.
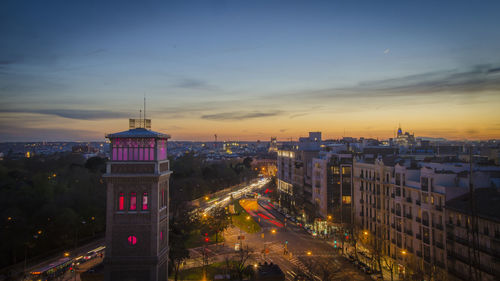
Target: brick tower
<point x="137" y="206"/>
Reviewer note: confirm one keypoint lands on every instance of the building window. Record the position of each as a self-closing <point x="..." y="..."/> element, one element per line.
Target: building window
<point x="346" y="199"/>
<point x="163" y="197"/>
<point x="132" y="240"/>
<point x="161" y="235"/>
<point x="121" y="201"/>
<point x="145" y="201"/>
<point x="133" y="201"/>
<point x="126" y="149"/>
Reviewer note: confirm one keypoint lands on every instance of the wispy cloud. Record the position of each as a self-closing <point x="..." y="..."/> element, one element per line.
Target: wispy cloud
<point x="226" y="116"/>
<point x="15" y="133"/>
<point x="72" y="113"/>
<point x="479" y="78"/>
<point x="191" y="83"/>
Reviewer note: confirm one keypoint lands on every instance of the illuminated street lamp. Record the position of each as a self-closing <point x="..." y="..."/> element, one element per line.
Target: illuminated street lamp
<point x="403" y="252"/>
<point x="329" y="217"/>
<point x="248" y="217"/>
<point x="273" y="231"/>
<point x="365" y="233"/>
<point x="206" y="198"/>
<point x="66" y="254"/>
<point x="309" y="253"/>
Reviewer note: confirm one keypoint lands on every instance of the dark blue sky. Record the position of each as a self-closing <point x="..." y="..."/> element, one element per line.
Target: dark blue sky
<point x="249" y="69"/>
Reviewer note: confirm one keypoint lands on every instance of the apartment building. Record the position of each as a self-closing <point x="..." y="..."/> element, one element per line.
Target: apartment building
<point x="295" y="161"/>
<point x="332" y="186"/>
<point x="402" y="201"/>
<point x="473" y="242"/>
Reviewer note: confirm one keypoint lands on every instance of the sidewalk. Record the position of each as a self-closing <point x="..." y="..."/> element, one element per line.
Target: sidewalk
<point x="349" y="250"/>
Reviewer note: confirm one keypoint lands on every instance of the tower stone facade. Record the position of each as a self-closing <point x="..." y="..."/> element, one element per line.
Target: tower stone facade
<point x="137" y="180"/>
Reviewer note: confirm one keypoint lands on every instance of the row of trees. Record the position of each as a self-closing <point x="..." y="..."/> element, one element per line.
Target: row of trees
<point x="188" y="222"/>
<point x="194" y="177"/>
<point x="377" y="255"/>
<point x="48" y="203"/>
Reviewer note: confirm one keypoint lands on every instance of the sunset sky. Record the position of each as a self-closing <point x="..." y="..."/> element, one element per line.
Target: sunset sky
<point x="248" y="70"/>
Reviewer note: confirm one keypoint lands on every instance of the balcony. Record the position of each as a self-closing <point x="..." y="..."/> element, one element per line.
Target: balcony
<point x="440" y="264"/>
<point x="392" y="195"/>
<point x="393" y="225"/>
<point x="418" y="236"/>
<point x="417" y="202"/>
<point x="409" y="216"/>
<point x="439" y="245"/>
<point x="392" y="210"/>
<point x="426" y="240"/>
<point x="427" y="259"/>
<point x="439" y="226"/>
<point x="361" y="201"/>
<point x="425" y="222"/>
<point x="438" y="208"/>
<point x="409" y="232"/>
<point x="408" y="199"/>
<point x="418" y="219"/>
<point x="398" y="228"/>
<point x="398" y="213"/>
<point x="393" y="241"/>
<point x="419" y="253"/>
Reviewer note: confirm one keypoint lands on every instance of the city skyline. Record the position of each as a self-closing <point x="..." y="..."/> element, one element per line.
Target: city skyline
<point x="248" y="71"/>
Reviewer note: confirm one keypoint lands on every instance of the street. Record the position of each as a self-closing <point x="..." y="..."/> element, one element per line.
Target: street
<point x="291" y="247"/>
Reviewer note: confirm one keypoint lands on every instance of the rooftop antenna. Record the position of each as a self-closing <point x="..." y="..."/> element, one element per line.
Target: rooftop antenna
<point x="144" y="107"/>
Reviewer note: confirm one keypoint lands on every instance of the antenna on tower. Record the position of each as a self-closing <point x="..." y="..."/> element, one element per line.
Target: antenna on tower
<point x="144" y="106"/>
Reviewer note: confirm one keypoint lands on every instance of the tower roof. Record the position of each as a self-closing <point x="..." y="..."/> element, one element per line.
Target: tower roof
<point x="138" y="133"/>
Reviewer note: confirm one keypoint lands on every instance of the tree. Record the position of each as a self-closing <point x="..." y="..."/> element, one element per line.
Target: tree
<point x="178" y="252"/>
<point x="181" y="225"/>
<point x="219" y="220"/>
<point x="248" y="162"/>
<point x="242" y="258"/>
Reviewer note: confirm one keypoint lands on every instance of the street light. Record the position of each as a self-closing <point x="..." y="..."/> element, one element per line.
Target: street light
<point x="248" y="217"/>
<point x="403" y="252"/>
<point x="365" y="233"/>
<point x="309" y="253"/>
<point x="329" y="217"/>
<point x="66" y="254"/>
<point x="273" y="231"/>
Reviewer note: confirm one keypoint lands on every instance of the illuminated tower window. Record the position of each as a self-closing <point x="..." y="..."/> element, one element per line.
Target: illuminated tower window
<point x="133" y="201"/>
<point x="121" y="202"/>
<point x="145" y="201"/>
<point x="132" y="240"/>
